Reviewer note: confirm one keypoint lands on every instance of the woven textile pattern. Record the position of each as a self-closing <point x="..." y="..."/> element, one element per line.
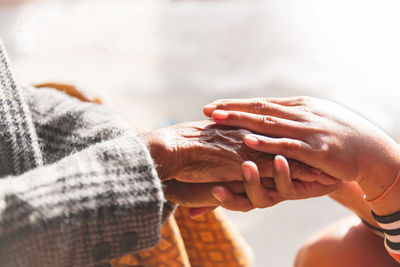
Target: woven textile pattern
<point x="207" y="241"/>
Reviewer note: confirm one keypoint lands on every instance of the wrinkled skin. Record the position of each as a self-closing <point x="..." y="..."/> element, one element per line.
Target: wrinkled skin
<point x="200" y="164"/>
<point x="205" y="152"/>
<point x="186" y="151"/>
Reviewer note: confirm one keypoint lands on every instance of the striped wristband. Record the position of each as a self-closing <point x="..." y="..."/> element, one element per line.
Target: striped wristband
<point x="390" y="225"/>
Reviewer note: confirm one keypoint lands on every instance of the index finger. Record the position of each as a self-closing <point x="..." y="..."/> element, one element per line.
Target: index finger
<point x="252" y="105"/>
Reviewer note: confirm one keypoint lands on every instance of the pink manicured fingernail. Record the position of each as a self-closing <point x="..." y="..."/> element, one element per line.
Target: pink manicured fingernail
<point x="251" y="140"/>
<point x="219" y="115"/>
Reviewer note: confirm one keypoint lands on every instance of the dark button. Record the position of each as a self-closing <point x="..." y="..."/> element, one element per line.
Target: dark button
<point x="107" y="264"/>
<point x="128" y="241"/>
<point x="101" y="251"/>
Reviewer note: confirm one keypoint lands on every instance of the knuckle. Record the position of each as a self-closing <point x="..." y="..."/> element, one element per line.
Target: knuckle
<point x="304" y="100"/>
<point x="267" y="121"/>
<point x="259" y="106"/>
<point x="237" y="116"/>
<point x="289" y="146"/>
<point x="295" y="167"/>
<point x="322" y="148"/>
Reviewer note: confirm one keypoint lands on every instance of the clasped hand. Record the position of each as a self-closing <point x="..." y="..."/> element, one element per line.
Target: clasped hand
<point x="204" y="165"/>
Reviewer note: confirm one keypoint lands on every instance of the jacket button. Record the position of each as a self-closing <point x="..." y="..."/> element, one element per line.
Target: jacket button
<point x="128" y="241"/>
<point x="101" y="251"/>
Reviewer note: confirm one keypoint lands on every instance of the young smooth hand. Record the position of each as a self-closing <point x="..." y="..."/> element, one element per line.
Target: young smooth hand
<point x="254" y="192"/>
<point x="316" y="132"/>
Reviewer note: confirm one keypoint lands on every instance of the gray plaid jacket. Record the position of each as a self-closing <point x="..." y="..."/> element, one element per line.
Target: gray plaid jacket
<point x="77" y="187"/>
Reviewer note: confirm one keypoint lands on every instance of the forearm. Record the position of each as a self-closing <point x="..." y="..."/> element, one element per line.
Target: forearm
<point x="382" y="193"/>
<point x="351" y="196"/>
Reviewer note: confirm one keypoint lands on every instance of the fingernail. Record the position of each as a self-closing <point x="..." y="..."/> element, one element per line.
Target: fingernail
<point x="278" y="163"/>
<point x="246" y="173"/>
<point x="316" y="171"/>
<point x="217" y="195"/>
<point x="194" y="213"/>
<point x="210" y="106"/>
<point x="332" y="180"/>
<point x="251" y="140"/>
<point x="220" y="115"/>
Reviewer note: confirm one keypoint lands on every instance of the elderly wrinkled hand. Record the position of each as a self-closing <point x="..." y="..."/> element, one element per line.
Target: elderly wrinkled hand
<point x="199" y="152"/>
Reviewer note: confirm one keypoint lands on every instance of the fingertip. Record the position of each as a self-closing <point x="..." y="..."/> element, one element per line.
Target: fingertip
<point x="250" y="170"/>
<point x="249" y="164"/>
<point x="251" y="140"/>
<point x="219" y="193"/>
<point x="218" y="115"/>
<point x="208" y="109"/>
<point x="280" y="157"/>
<point x="280" y="163"/>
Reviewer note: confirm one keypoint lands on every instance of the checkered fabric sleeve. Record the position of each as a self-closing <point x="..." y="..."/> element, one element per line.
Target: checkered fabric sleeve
<point x="390" y="225"/>
<point x="77" y="187"/>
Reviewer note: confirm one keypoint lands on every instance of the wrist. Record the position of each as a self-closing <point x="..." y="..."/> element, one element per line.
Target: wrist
<point x="381" y="186"/>
<point x="158" y="153"/>
<point x="380" y="174"/>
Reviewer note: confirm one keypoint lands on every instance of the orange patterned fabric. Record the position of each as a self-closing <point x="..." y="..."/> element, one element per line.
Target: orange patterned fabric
<point x="209" y="240"/>
<point x="206" y="241"/>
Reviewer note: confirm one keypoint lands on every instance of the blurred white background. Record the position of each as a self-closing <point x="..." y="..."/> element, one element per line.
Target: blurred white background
<point x="159" y="61"/>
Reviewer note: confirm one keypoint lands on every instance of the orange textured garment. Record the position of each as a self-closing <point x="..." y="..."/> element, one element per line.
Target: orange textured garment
<point x="209" y="240"/>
